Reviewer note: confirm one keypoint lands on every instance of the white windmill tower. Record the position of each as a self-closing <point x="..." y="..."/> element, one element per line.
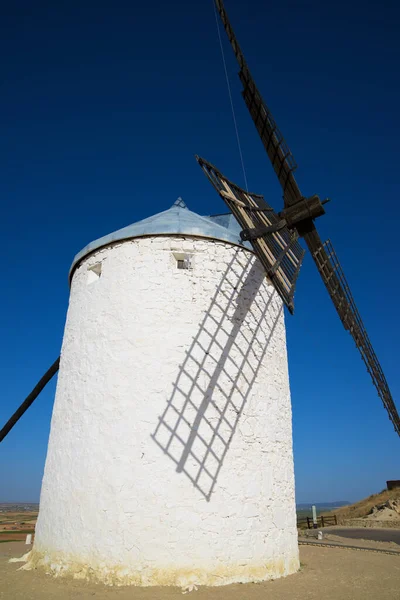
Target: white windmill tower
<point x="170" y="453"/>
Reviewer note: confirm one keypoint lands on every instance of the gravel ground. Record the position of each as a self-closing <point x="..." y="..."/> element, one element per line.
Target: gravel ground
<point x="326" y="574"/>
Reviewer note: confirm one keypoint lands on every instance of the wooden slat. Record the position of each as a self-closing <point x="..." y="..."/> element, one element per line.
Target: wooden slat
<point x="228" y="196"/>
<point x="276" y="235"/>
<point x="251" y="211"/>
<point x="259" y="241"/>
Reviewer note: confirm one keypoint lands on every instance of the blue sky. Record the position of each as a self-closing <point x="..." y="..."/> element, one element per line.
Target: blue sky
<point x="104" y="105"/>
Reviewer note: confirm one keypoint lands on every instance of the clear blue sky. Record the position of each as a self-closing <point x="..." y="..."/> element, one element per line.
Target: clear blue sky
<point x="103" y="106"/>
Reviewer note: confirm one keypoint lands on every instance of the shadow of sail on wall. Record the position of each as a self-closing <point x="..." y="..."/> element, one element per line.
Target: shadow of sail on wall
<point x="216" y="378"/>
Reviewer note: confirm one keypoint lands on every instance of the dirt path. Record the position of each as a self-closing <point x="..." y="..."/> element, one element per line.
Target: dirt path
<point x="326" y="574"/>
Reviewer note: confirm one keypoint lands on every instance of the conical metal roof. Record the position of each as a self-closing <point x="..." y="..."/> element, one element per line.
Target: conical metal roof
<point x="177" y="220"/>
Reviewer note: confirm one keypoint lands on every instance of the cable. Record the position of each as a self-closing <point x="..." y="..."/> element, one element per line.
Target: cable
<point x="230" y="97"/>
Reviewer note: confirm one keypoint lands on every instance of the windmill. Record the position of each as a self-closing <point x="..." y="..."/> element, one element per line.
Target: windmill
<point x="174" y="369"/>
<point x="274" y="236"/>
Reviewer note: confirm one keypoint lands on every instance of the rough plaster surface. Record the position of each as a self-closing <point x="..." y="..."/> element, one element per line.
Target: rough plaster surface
<point x="170" y="454"/>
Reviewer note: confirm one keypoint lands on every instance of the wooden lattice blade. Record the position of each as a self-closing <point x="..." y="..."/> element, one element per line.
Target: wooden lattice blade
<point x="277" y="150"/>
<point x="279" y="251"/>
<point x="333" y="277"/>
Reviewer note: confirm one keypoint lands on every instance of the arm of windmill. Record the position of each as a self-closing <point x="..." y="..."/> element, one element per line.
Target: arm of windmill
<point x="30" y="399"/>
<point x="335" y="282"/>
<point x="276" y="247"/>
<point x="277" y="150"/>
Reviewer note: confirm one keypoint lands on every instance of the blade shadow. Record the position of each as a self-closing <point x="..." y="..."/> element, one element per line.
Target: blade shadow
<point x="216" y="378"/>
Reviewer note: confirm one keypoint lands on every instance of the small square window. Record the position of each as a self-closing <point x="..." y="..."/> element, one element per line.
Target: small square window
<point x="183" y="260"/>
<point x="182" y="264"/>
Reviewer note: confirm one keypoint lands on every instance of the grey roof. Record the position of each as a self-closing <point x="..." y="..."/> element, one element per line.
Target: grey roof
<point x="176" y="220"/>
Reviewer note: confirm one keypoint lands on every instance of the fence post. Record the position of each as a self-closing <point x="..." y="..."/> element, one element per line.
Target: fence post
<point x="322" y="521"/>
<point x="335" y="520"/>
<point x="314" y="515"/>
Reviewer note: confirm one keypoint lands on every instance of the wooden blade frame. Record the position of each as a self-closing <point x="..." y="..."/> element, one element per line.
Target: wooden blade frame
<point x="335" y="281"/>
<point x="278" y="151"/>
<point x="278" y="250"/>
<point x="324" y="256"/>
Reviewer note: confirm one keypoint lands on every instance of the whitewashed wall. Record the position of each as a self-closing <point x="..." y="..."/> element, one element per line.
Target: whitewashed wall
<point x="170" y="453"/>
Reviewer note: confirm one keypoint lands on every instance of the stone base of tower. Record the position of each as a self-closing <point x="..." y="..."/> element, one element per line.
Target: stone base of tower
<point x="167" y="575"/>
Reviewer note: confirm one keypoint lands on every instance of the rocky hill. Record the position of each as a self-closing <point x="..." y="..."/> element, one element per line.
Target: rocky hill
<point x="378" y="510"/>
